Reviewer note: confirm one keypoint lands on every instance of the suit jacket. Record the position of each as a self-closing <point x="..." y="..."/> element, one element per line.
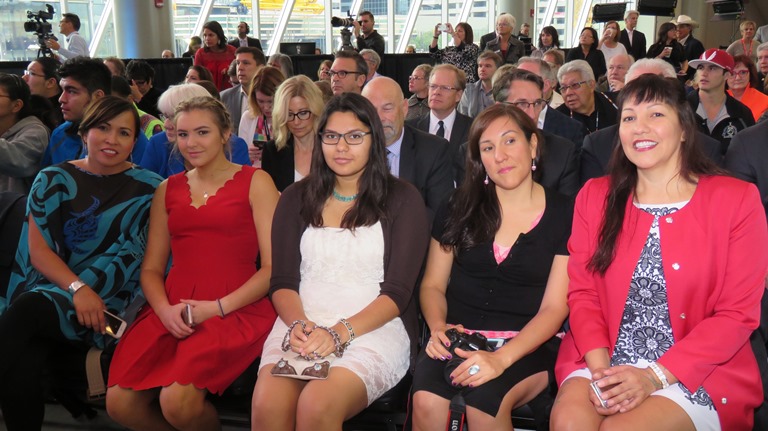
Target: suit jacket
<point x="280" y="165"/>
<point x="515" y="50"/>
<point x="598" y="147"/>
<point x="233" y="101"/>
<point x="747" y="158"/>
<point x="637" y="49"/>
<point x="557" y="167"/>
<point x="715" y="261"/>
<point x="487" y="38"/>
<point x="557" y="123"/>
<point x="459" y="133"/>
<point x="251" y="42"/>
<point x="425" y="162"/>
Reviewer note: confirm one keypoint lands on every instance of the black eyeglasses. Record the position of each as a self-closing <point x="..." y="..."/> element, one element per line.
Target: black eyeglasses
<point x="522" y="104"/>
<point x="354" y="137"/>
<point x="301" y="115"/>
<point x="341" y="73"/>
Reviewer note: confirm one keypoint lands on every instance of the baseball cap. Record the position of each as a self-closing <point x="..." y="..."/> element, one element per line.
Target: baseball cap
<point x="717" y="57"/>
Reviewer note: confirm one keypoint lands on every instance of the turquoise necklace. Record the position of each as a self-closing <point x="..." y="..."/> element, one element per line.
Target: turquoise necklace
<point x="342" y="198"/>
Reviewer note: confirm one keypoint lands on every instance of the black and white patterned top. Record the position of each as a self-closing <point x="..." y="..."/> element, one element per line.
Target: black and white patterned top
<point x="645" y="333"/>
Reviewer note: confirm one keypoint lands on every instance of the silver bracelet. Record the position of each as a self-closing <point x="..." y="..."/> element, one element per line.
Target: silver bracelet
<point x="351" y="331"/>
<point x="660" y="374"/>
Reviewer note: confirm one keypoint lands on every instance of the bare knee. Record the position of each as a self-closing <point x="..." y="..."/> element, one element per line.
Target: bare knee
<point x="182" y="408"/>
<point x="429" y="411"/>
<point x="120" y="404"/>
<point x="312" y="409"/>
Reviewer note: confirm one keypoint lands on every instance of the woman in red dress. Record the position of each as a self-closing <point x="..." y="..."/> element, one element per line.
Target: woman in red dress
<point x="216" y="54"/>
<point x="207" y="321"/>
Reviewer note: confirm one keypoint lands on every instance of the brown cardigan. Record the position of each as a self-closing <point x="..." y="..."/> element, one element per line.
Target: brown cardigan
<point x="406" y="239"/>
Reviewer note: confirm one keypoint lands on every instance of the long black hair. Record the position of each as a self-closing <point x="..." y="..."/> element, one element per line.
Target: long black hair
<point x="375" y="182"/>
<point x="555" y="37"/>
<point x="474" y="212"/>
<point x="623" y="173"/>
<point x="215" y="27"/>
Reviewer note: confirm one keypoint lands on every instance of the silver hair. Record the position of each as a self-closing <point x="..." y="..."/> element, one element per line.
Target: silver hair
<point x="176" y="94"/>
<point x="581" y="66"/>
<point x="762" y="47"/>
<point x="662" y="67"/>
<point x="544" y="68"/>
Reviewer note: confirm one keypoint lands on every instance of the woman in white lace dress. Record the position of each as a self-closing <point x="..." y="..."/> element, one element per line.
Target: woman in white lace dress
<point x="351" y="242"/>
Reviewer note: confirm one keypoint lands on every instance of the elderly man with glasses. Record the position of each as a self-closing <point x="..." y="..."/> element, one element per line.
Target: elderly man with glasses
<point x="577" y="85"/>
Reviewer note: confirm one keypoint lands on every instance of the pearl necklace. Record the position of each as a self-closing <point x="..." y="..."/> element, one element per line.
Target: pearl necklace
<point x="342" y="198"/>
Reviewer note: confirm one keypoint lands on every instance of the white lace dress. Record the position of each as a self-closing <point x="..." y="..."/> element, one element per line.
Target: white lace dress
<point x="340" y="275"/>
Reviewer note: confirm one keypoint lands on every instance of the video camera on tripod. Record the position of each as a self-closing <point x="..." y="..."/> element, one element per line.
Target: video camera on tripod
<point x="346" y="35"/>
<point x="39" y="25"/>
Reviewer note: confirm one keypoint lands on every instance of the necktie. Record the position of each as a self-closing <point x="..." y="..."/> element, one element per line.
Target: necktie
<point x="440" y="129"/>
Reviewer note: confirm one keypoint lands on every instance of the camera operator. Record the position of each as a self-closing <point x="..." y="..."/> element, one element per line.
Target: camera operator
<point x="370" y="39"/>
<point x="76" y="45"/>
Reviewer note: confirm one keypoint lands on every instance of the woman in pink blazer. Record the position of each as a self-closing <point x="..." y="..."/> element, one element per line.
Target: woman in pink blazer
<point x="667" y="268"/>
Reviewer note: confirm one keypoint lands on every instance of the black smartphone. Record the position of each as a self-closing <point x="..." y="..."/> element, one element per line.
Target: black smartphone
<point x="115" y="325"/>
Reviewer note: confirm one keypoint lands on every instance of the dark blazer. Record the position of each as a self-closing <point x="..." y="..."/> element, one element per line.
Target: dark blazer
<point x="515" y="50"/>
<point x="598" y="147"/>
<point x="279" y="164"/>
<point x="425" y="162"/>
<point x="747" y="158"/>
<point x="487" y="38"/>
<point x="594" y="57"/>
<point x="557" y="123"/>
<point x="637" y="49"/>
<point x="233" y="101"/>
<point x="459" y="133"/>
<point x="251" y="42"/>
<point x="693" y="49"/>
<point x="558" y="164"/>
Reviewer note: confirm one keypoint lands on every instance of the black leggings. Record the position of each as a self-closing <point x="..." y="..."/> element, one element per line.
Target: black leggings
<point x="29" y="336"/>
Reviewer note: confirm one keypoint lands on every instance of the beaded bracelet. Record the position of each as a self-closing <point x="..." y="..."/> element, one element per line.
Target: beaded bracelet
<point x="336" y="340"/>
<point x="221" y="309"/>
<point x="660" y="374"/>
<point x="351" y="331"/>
<point x="287" y="339"/>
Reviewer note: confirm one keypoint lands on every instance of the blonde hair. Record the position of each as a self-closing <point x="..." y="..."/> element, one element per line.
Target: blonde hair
<point x="296" y="86"/>
<point x="218" y="112"/>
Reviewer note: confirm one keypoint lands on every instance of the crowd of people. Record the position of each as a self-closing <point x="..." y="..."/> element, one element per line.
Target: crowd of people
<point x="587" y="220"/>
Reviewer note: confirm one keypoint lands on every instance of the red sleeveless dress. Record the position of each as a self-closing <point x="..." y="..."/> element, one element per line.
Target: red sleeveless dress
<point x="214" y="251"/>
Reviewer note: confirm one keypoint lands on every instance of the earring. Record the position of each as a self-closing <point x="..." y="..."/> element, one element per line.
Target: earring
<point x="486" y="180"/>
<point x="533" y="165"/>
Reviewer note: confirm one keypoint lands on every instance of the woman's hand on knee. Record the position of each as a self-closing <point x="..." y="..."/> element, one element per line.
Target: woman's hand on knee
<point x="90" y="309"/>
<point x="628" y="387"/>
<point x="170" y="316"/>
<point x="478" y="367"/>
<point x="437" y="346"/>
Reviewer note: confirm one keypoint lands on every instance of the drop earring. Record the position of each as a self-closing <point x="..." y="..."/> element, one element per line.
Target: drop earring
<point x="533" y="165"/>
<point x="486" y="180"/>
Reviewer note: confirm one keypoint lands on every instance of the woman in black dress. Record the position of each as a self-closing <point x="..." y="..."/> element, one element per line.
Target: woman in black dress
<point x="587" y="50"/>
<point x="669" y="49"/>
<point x="496" y="266"/>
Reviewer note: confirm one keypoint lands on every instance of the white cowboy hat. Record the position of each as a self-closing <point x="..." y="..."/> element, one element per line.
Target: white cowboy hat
<point x="685" y="19"/>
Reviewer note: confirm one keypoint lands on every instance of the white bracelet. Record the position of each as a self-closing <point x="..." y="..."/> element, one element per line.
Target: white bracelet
<point x="660" y="374"/>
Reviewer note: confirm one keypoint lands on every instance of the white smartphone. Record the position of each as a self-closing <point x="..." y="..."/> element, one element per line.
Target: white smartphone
<point x="115" y="325"/>
<point x="599" y="392"/>
<point x="443" y="28"/>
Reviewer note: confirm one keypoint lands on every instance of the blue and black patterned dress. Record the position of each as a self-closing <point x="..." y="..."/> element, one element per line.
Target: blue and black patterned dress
<point x="97" y="224"/>
<point x="645" y="333"/>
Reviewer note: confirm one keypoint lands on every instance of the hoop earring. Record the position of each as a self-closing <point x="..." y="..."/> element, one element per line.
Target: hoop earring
<point x="533" y="165"/>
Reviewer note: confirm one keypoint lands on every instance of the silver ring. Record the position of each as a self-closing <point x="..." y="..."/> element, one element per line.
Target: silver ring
<point x="474" y="369"/>
<point x="429" y="342"/>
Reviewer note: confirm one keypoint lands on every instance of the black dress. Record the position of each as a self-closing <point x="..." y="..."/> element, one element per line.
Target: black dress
<point x="594" y="57"/>
<point x="676" y="58"/>
<point x="484" y="295"/>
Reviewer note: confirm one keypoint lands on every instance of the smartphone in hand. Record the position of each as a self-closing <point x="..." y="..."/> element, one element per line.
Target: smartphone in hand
<point x="599" y="392"/>
<point x="186" y="315"/>
<point x="115" y="325"/>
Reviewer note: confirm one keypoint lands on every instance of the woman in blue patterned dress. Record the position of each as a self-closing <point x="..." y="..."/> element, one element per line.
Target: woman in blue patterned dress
<point x="79" y="255"/>
<point x="667" y="269"/>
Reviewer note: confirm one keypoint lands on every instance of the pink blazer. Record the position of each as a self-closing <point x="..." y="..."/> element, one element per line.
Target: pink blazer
<point x="715" y="258"/>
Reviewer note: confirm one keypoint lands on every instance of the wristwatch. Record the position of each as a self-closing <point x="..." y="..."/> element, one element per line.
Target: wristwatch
<point x="75" y="286"/>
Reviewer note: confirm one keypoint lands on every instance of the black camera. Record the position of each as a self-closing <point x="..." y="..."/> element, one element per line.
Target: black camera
<point x="39" y="25"/>
<point x="466" y="342"/>
<point x="343" y="22"/>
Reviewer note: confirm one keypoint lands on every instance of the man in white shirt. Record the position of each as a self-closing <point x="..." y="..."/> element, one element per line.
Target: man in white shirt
<point x="76" y="45"/>
<point x="242" y="39"/>
<point x="632" y="39"/>
<point x="248" y="61"/>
